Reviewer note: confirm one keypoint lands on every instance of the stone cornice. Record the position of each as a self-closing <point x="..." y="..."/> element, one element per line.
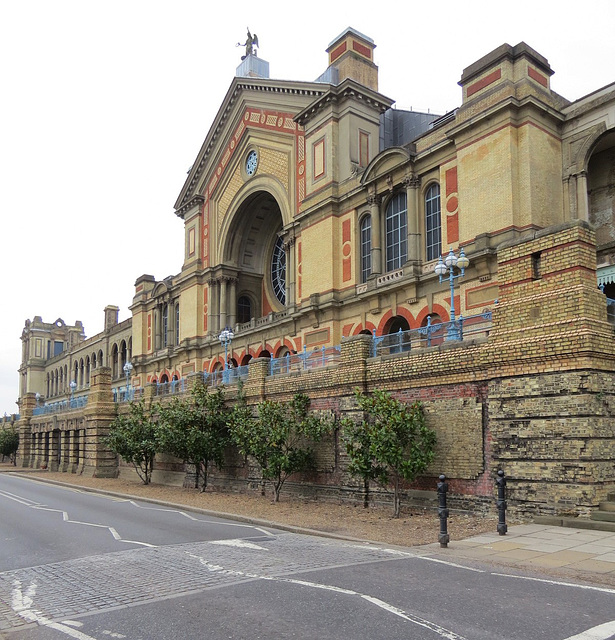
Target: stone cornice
<point x="348" y="89"/>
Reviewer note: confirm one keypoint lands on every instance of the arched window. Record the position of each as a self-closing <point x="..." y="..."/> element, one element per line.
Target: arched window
<point x="366" y="248"/>
<point x="165" y="324"/>
<point x="396" y="220"/>
<point x="115" y="359"/>
<point x="244" y="309"/>
<point x="433" y="231"/>
<point x="177" y="324"/>
<point x="278" y="271"/>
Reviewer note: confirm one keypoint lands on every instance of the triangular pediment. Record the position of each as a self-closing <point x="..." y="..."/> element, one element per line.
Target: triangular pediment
<point x="250" y="104"/>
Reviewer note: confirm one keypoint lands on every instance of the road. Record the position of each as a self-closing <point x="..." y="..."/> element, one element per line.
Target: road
<point x="92" y="567"/>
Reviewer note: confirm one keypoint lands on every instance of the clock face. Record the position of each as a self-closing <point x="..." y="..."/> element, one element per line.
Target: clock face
<point x="251" y="162"/>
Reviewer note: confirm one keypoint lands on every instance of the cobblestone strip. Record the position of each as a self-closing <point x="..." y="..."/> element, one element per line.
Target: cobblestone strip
<point x="100" y="582"/>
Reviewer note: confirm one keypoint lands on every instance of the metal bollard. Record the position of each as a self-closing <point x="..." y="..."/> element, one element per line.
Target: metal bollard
<point x="500" y="482"/>
<point x="443" y="537"/>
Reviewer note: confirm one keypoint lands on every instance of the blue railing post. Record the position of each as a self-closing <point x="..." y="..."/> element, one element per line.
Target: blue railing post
<point x="429" y="331"/>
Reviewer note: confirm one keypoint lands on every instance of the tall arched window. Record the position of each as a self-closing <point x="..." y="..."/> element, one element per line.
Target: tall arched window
<point x="433" y="230"/>
<point x="278" y="271"/>
<point x="176" y="323"/>
<point x="165" y="325"/>
<point x="396" y="232"/>
<point x="366" y="248"/>
<point x="244" y="309"/>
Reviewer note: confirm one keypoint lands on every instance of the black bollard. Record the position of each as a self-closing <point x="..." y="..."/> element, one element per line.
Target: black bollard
<point x="500" y="482"/>
<point x="443" y="537"/>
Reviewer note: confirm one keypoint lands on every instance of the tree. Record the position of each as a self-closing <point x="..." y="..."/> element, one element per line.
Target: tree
<point x="276" y="437"/>
<point x="9" y="443"/>
<point x="136" y="438"/>
<point x="392" y="444"/>
<point x="195" y="430"/>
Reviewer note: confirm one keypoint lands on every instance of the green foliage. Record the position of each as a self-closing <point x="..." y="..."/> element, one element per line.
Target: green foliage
<point x="9" y="443"/>
<point x="392" y="444"/>
<point x="195" y="430"/>
<point x="136" y="437"/>
<point x="276" y="437"/>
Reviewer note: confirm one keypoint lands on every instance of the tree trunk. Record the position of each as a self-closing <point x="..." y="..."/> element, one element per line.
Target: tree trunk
<point x="396" y="498"/>
<point x="366" y="493"/>
<point x="204" y="465"/>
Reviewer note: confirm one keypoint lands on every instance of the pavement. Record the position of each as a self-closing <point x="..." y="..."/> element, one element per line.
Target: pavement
<point x="568" y="551"/>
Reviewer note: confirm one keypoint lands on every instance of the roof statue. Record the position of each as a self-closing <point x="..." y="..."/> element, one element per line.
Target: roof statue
<point x="249" y="44"/>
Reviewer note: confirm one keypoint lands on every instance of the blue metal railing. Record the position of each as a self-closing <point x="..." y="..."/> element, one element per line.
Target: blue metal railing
<point x="305" y="360"/>
<point x="63" y="405"/>
<point x="433" y="334"/>
<point x="214" y="379"/>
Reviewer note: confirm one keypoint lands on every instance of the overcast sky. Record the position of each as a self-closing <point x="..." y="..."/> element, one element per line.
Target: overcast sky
<point x="105" y="106"/>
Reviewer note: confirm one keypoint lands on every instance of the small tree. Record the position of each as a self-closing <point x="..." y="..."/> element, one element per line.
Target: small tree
<point x="9" y="443"/>
<point x="135" y="437"/>
<point x="276" y="437"/>
<point x="195" y="430"/>
<point x="357" y="439"/>
<point x="394" y="443"/>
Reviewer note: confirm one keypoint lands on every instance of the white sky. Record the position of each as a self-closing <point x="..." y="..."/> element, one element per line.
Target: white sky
<point x="104" y="106"/>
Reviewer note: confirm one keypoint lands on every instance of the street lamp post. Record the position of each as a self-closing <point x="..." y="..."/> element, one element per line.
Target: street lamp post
<point x="127" y="371"/>
<point x="448" y="265"/>
<point x="226" y="337"/>
<point x="73" y="386"/>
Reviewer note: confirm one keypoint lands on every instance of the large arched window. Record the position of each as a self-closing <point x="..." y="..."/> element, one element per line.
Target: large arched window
<point x="278" y="271"/>
<point x="433" y="230"/>
<point x="244" y="309"/>
<point x="366" y="248"/>
<point x="396" y="220"/>
<point x="165" y="325"/>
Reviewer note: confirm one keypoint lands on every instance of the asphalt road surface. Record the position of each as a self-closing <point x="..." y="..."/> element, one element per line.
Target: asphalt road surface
<point x="80" y="565"/>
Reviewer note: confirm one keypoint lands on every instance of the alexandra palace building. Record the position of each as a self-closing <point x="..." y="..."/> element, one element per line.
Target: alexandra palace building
<point x="321" y="226"/>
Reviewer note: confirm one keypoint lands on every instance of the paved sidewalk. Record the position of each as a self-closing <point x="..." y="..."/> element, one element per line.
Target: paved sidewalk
<point x="541" y="547"/>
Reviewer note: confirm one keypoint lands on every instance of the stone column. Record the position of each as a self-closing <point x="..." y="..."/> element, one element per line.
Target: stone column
<point x="412" y="183"/>
<point x="582" y="200"/>
<point x="233" y="302"/>
<point x="374" y="205"/>
<point x="65" y="440"/>
<point x="99" y="412"/>
<point x="25" y="454"/>
<point x="223" y="302"/>
<point x="54" y="450"/>
<point x="211" y="307"/>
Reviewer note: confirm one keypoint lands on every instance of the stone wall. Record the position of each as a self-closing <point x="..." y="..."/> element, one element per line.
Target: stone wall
<point x="535" y="398"/>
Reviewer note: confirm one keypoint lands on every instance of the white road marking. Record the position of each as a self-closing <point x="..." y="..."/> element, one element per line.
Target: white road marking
<point x="243" y="544"/>
<point x="111" y="530"/>
<point x="557" y="583"/>
<point x="21" y="604"/>
<point x="195" y="519"/>
<point x="601" y="632"/>
<point x="441" y="631"/>
<point x="20" y="499"/>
